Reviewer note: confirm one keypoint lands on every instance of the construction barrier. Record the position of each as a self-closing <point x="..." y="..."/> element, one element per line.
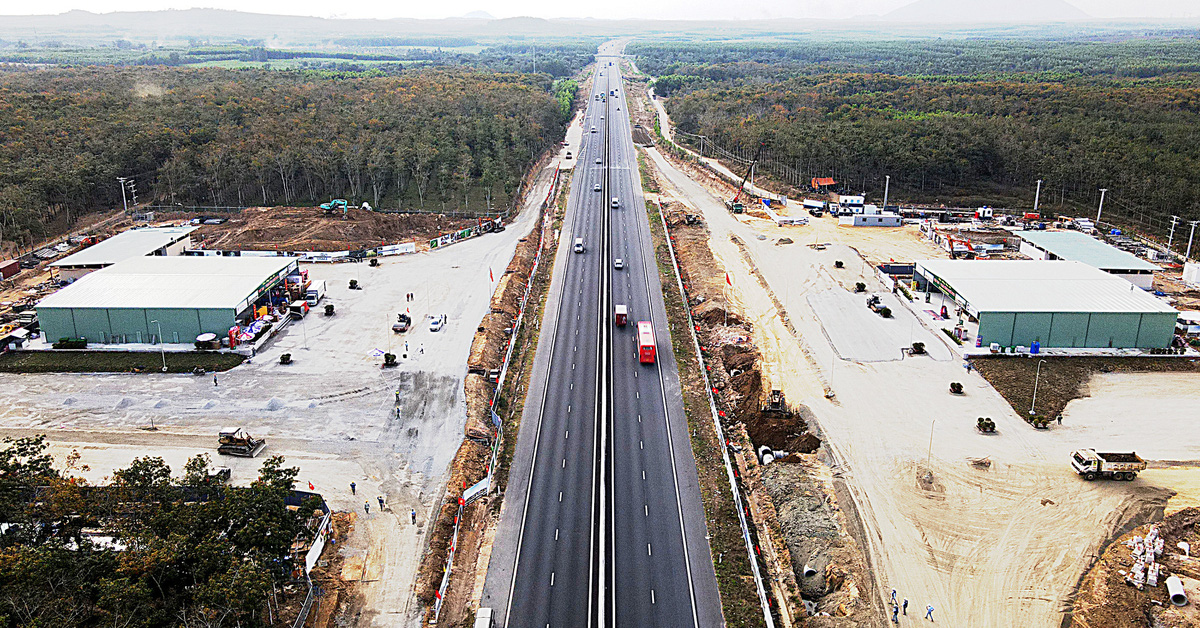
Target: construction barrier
<point x="712" y="406"/>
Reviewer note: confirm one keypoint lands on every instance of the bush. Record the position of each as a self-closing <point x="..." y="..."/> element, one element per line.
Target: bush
<point x="918" y="348"/>
<point x="71" y="343"/>
<point x="860" y="287"/>
<point x="886" y="312"/>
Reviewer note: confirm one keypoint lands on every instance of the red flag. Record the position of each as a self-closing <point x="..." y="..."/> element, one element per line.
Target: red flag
<point x="490" y="276"/>
<point x="311" y="487"/>
<point x="727" y="279"/>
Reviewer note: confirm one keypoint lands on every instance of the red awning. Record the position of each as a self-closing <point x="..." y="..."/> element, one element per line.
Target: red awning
<point x="822" y="181"/>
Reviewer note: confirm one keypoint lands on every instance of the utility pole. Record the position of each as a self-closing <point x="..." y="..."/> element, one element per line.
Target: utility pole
<point x="1037" y="196"/>
<point x="1102" y="191"/>
<point x="1171" y="235"/>
<point x="1188" y="255"/>
<point x="887" y="184"/>
<point x="121" y="181"/>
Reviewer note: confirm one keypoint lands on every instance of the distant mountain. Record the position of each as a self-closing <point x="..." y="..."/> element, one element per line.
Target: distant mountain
<point x="976" y="11"/>
<point x="480" y="15"/>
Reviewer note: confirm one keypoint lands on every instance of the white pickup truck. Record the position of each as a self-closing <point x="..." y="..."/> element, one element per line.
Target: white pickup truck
<point x="1117" y="466"/>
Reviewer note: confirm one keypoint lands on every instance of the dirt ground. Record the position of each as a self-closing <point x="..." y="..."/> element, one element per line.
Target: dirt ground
<point x="1064" y="379"/>
<point x="1107" y="600"/>
<point x="1001" y="545"/>
<point x="309" y="229"/>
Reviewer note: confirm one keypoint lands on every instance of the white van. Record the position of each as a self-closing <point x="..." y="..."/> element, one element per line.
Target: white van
<point x="578" y="245"/>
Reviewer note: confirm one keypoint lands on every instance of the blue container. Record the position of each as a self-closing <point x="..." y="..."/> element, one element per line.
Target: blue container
<point x="1035" y="348"/>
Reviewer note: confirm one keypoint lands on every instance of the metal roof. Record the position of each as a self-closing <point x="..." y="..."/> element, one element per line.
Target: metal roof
<point x="1081" y="247"/>
<point x="1041" y="286"/>
<point x="172" y="283"/>
<point x="132" y="243"/>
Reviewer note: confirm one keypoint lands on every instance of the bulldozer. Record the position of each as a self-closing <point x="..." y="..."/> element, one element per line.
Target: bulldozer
<point x="333" y="207"/>
<point x="234" y="441"/>
<point x="775" y="402"/>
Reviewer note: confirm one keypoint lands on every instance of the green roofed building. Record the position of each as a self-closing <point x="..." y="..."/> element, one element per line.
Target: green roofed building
<point x="188" y="296"/>
<point x="1057" y="304"/>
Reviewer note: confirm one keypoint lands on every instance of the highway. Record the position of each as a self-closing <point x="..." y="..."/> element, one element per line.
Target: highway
<point x="603" y="523"/>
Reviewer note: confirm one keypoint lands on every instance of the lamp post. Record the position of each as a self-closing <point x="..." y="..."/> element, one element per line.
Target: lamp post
<point x="1101" y="208"/>
<point x="161" y="348"/>
<point x="1037" y="196"/>
<point x="1035" y="387"/>
<point x="887" y="184"/>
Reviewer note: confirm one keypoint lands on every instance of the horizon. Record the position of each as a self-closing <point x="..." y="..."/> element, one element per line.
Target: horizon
<point x="625" y="10"/>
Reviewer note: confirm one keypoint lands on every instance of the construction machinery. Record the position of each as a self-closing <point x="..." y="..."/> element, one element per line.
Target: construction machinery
<point x="234" y="441"/>
<point x="333" y="207"/>
<point x="403" y="322"/>
<point x="1118" y="466"/>
<point x="776" y="402"/>
<point x="735" y="204"/>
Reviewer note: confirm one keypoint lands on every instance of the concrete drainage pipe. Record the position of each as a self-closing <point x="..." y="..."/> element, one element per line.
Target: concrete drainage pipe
<point x="1175" y="589"/>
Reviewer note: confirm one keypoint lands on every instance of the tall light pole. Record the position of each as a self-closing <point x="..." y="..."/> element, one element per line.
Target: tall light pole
<point x="124" y="201"/>
<point x="887" y="184"/>
<point x="1188" y="255"/>
<point x="1037" y="196"/>
<point x="1171" y="235"/>
<point x="1101" y="209"/>
<point x="1035" y="387"/>
<point x="161" y="347"/>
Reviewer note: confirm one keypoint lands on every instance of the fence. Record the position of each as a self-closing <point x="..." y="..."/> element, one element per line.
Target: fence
<point x="485" y="485"/>
<point x="725" y="446"/>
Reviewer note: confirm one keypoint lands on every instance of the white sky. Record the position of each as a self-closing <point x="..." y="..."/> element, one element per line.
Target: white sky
<point x="664" y="9"/>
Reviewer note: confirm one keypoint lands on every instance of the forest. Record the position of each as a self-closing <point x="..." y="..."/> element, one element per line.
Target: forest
<point x="440" y="138"/>
<point x="184" y="550"/>
<point x="959" y="122"/>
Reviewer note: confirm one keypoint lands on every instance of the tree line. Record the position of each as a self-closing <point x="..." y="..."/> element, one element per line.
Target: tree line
<point x="981" y="138"/>
<point x="172" y="551"/>
<point x="430" y="138"/>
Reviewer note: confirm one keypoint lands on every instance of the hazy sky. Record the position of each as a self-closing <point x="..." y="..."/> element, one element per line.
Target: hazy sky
<point x="679" y="9"/>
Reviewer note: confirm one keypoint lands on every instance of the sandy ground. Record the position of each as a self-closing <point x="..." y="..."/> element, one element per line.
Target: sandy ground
<point x="998" y="547"/>
<point x="332" y="413"/>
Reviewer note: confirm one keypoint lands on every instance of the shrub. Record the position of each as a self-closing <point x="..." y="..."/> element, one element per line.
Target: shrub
<point x="71" y="343"/>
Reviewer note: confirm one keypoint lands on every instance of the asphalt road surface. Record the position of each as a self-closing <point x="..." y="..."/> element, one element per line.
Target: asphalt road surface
<point x="603" y="523"/>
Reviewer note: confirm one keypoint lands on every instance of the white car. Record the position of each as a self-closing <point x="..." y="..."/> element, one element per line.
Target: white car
<point x="436" y="322"/>
<point x="599" y="161"/>
<point x="618" y="264"/>
<point x="596" y="188"/>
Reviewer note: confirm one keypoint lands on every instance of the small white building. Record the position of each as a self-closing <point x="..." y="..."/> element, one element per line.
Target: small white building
<point x="1080" y="247"/>
<point x="871" y="216"/>
<point x="849" y="204"/>
<point x="164" y="241"/>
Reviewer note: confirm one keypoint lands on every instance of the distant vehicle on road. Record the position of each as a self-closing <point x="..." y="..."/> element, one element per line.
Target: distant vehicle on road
<point x="234" y="441"/>
<point x="1118" y="466"/>
<point x="596" y="188"/>
<point x="593" y="129"/>
<point x="298" y="309"/>
<point x="618" y="263"/>
<point x="615" y="202"/>
<point x="403" y="321"/>
<point x="621" y="315"/>
<point x="599" y="160"/>
<point x="645" y="339"/>
<point x="483" y="618"/>
<point x="436" y="322"/>
<point x="568" y="154"/>
<point x="578" y="245"/>
<point x="315" y="293"/>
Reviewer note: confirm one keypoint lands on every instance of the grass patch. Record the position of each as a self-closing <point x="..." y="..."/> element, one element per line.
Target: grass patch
<point x="735" y="579"/>
<point x="950" y="335"/>
<point x="114" y="362"/>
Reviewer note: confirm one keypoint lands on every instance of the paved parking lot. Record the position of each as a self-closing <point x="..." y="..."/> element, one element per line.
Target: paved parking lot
<point x="859" y="334"/>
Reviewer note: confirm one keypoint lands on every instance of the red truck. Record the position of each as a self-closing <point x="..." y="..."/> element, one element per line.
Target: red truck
<point x="621" y="316"/>
<point x="645" y="339"/>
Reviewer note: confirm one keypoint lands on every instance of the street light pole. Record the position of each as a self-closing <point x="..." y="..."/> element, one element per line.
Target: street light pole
<point x="161" y="348"/>
<point x="1037" y="196"/>
<point x="1192" y="234"/>
<point x="1035" y="386"/>
<point x="1101" y="209"/>
<point x="124" y="202"/>
<point x="887" y="184"/>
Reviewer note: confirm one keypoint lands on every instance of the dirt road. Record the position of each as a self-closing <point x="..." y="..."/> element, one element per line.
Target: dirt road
<point x="998" y="547"/>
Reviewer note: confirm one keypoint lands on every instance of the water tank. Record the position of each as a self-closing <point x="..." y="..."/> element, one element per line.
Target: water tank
<point x="1035" y="348"/>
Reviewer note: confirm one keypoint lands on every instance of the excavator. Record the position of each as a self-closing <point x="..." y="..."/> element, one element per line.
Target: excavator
<point x="735" y="204"/>
<point x="333" y="207"/>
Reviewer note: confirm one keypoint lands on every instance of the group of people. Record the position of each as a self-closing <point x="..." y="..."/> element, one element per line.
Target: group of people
<point x="412" y="512"/>
<point x="899" y="608"/>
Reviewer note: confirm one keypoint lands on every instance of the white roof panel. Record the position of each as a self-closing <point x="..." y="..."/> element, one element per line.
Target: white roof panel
<point x="132" y="243"/>
<point x="190" y="282"/>
<point x="1042" y="286"/>
<point x="1081" y="247"/>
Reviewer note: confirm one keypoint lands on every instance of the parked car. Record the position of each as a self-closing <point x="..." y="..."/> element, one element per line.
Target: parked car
<point x="436" y="322"/>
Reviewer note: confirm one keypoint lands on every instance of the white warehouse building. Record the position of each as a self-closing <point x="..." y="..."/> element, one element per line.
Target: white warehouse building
<point x="1080" y="247"/>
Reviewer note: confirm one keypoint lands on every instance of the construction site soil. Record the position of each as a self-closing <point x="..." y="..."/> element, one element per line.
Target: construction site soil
<point x="1106" y="598"/>
<point x="1064" y="378"/>
<point x="792" y="500"/>
<point x="310" y="229"/>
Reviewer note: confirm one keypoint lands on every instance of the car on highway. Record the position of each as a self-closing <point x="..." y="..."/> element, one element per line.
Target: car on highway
<point x="618" y="263"/>
<point x="601" y="117"/>
<point x="599" y="161"/>
<point x="437" y="322"/>
<point x="615" y="202"/>
<point x="596" y="188"/>
<point x="578" y="245"/>
<point x="593" y="129"/>
<point x="568" y="154"/>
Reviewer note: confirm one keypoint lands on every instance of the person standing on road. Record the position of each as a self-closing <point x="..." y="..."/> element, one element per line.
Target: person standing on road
<point x="895" y="614"/>
<point x="367" y="507"/>
<point x="397" y="413"/>
<point x="929" y="612"/>
<point x="380" y="498"/>
<point x="353" y="489"/>
<point x="214" y="379"/>
<point x="413" y="512"/>
<point x="893" y="597"/>
<point x="397" y="395"/>
<point x="904" y="608"/>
